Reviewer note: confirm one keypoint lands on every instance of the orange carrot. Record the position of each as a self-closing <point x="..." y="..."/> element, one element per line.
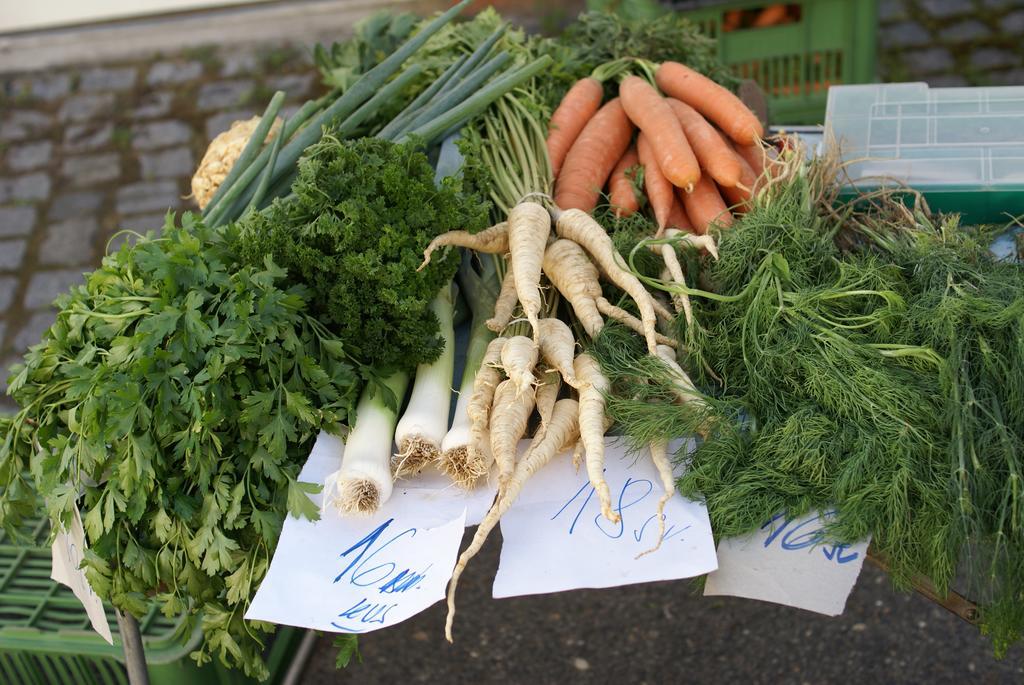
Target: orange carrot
<point x="757" y="157"/>
<point x="659" y="191"/>
<point x="717" y="104"/>
<point x="739" y="195"/>
<point x="621" y="194"/>
<point x="652" y="115"/>
<point x="713" y="153"/>
<point x="704" y="206"/>
<point x="592" y="157"/>
<point x="677" y="217"/>
<point x="771" y="16"/>
<point x="577" y="107"/>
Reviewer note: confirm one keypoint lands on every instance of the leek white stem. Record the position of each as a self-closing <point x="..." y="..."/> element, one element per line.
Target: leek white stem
<point x="364" y="482"/>
<point x="425" y="421"/>
<point x="481" y="292"/>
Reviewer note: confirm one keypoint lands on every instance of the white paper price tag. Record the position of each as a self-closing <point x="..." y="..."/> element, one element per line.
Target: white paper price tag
<point x="356" y="574"/>
<point x="68" y="550"/>
<point x="788" y="561"/>
<point x="555" y="537"/>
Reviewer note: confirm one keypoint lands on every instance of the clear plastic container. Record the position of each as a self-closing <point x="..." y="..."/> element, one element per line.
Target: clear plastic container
<point x="963" y="148"/>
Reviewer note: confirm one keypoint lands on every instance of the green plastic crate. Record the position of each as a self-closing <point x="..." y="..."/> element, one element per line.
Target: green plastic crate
<point x="46" y="637"/>
<point x="833" y="42"/>
<point x="962" y="148"/>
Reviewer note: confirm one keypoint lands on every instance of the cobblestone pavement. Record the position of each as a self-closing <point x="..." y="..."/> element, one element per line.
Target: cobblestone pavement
<point x="85" y="152"/>
<point x="952" y="42"/>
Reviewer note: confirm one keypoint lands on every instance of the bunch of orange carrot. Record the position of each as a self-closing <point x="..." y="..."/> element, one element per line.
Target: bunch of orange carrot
<point x="699" y="147"/>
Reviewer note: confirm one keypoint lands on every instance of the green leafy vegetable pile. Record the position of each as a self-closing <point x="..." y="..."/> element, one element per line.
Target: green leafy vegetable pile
<point x="180" y="391"/>
<point x="354" y="230"/>
<point x="868" y="362"/>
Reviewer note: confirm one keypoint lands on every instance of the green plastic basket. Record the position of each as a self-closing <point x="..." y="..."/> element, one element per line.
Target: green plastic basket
<point x="825" y="43"/>
<point x="46" y="637"/>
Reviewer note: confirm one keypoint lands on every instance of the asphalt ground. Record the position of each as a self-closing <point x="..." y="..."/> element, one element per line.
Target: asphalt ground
<point x="666" y="633"/>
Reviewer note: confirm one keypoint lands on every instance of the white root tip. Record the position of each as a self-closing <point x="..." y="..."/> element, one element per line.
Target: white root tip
<point x="358" y="496"/>
<point x="577" y="455"/>
<point x="463" y="466"/>
<point x="413" y="454"/>
<point x="605" y="496"/>
<point x="661" y="523"/>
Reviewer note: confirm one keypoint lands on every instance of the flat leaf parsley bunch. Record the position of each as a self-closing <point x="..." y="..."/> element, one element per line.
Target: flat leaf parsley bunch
<point x="175" y="398"/>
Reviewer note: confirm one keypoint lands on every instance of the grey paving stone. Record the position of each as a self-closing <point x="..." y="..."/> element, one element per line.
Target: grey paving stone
<point x="19" y="124"/>
<point x="295" y="86"/>
<point x="47" y="87"/>
<point x="223" y="94"/>
<point x="89" y="170"/>
<point x="222" y="121"/>
<point x="141" y="223"/>
<point x="107" y="79"/>
<point x="29" y="155"/>
<point x="946" y="8"/>
<point x="1012" y="77"/>
<point x="152" y="105"/>
<point x="238" y="62"/>
<point x="173" y="72"/>
<point x="32" y="331"/>
<point x="930" y="61"/>
<point x="167" y="164"/>
<point x="87" y="137"/>
<point x="148" y="196"/>
<point x="991" y="58"/>
<point x="15" y="221"/>
<point x="25" y="188"/>
<point x="3" y="368"/>
<point x="1013" y="23"/>
<point x="905" y="34"/>
<point x="86" y="107"/>
<point x="69" y="242"/>
<point x="947" y="81"/>
<point x="157" y="134"/>
<point x="964" y="31"/>
<point x="45" y="286"/>
<point x="73" y="204"/>
<point x="8" y="286"/>
<point x="12" y="254"/>
<point x="891" y="10"/>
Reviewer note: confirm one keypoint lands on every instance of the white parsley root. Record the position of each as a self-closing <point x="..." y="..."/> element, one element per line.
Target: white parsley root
<point x="574" y="276"/>
<point x="593" y="385"/>
<point x="547" y="394"/>
<point x="529" y="226"/>
<point x="558" y="347"/>
<point x="561" y="433"/>
<point x="518" y="359"/>
<point x="509" y="417"/>
<point x="622" y="316"/>
<point x="580" y="227"/>
<point x="505" y="304"/>
<point x="493" y="240"/>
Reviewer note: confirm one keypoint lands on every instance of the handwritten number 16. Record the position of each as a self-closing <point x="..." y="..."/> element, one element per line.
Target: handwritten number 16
<point x="794" y="539"/>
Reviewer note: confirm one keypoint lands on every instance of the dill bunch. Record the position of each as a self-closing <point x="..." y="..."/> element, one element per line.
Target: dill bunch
<point x="871" y="362"/>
